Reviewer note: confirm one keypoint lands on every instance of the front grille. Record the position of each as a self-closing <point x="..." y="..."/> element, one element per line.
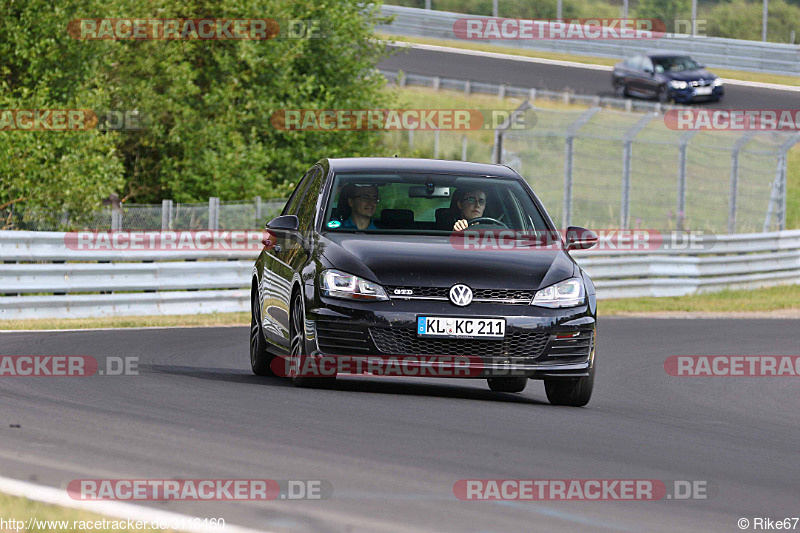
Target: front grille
<point x="481" y="295"/>
<point x="341" y="338"/>
<point x="406" y="342"/>
<point x="696" y="83"/>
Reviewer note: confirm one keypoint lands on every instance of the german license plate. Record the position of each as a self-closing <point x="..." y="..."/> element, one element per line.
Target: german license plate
<point x="702" y="91"/>
<point x="461" y="328"/>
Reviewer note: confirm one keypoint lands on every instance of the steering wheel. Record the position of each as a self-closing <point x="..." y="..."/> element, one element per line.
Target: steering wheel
<point x="481" y="220"/>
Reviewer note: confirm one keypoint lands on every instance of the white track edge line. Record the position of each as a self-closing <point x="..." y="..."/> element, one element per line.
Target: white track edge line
<point x="127" y="511"/>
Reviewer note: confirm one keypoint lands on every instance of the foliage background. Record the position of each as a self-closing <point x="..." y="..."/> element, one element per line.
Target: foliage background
<point x="205" y="105"/>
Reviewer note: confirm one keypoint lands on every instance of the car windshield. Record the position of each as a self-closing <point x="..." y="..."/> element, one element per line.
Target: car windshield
<point x="675" y="64"/>
<point x="416" y="203"/>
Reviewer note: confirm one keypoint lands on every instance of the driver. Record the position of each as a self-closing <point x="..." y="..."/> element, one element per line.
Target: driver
<point x="362" y="201"/>
<point x="471" y="205"/>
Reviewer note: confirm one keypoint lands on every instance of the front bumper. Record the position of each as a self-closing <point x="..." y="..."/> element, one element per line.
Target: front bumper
<point x="690" y="95"/>
<point x="539" y="342"/>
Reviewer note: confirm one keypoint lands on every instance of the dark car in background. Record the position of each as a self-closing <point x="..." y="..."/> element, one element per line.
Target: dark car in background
<point x="404" y="286"/>
<point x="666" y="76"/>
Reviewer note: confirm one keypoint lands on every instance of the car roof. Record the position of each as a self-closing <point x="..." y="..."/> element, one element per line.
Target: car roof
<point x="407" y="164"/>
<point x="666" y="53"/>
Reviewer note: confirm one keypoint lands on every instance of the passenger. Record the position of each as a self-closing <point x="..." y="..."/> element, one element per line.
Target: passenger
<point x="363" y="201"/>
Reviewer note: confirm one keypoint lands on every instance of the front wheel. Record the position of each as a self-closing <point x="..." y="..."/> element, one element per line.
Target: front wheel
<point x="297" y="336"/>
<point x="574" y="392"/>
<point x="508" y="384"/>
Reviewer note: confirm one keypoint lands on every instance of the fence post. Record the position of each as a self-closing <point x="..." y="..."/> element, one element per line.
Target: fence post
<point x="627" y="154"/>
<point x="497" y="149"/>
<point x="166" y="214"/>
<point x="734" y="188"/>
<point x="436" y="144"/>
<point x="569" y="156"/>
<point x="463" y="147"/>
<point x="777" y="198"/>
<point x="682" y="162"/>
<point x="213" y="213"/>
<point x="410" y="139"/>
<point x="258" y="211"/>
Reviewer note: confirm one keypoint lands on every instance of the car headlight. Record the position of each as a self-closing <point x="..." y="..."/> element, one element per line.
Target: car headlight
<point x="568" y="293"/>
<point x="717" y="82"/>
<point x="677" y="84"/>
<point x="337" y="284"/>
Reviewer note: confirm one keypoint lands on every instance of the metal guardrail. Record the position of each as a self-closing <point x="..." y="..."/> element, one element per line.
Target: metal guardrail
<point x="113" y="284"/>
<point x="717" y="52"/>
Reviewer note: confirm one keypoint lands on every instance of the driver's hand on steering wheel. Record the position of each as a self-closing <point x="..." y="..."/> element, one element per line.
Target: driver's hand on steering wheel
<point x="460" y="224"/>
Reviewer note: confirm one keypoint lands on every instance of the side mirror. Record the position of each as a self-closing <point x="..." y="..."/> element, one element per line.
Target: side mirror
<point x="580" y="238"/>
<point x="284" y="223"/>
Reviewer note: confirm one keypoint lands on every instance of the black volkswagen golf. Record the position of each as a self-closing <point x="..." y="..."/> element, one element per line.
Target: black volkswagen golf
<point x="439" y="264"/>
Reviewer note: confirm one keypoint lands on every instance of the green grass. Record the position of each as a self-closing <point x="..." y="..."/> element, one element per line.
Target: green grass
<point x="213" y="319"/>
<point x="23" y="509"/>
<point x="783" y="298"/>
<point x="471" y="45"/>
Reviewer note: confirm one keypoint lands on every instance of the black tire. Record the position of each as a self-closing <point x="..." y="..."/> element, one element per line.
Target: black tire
<point x="297" y="340"/>
<point x="508" y="384"/>
<point x="260" y="359"/>
<point x="574" y="392"/>
<point x="663" y="94"/>
<point x="620" y="89"/>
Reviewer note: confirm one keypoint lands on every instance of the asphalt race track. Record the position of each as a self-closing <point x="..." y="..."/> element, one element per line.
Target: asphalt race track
<point x="560" y="78"/>
<point x="393" y="448"/>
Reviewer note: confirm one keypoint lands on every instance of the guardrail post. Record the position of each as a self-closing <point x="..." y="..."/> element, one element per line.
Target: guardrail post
<point x="437" y="82"/>
<point x="501" y="92"/>
<point x="258" y="211"/>
<point x="436" y="144"/>
<point x="166" y="214"/>
<point x="627" y="154"/>
<point x="463" y="147"/>
<point x="410" y="139"/>
<point x="468" y="87"/>
<point x="213" y="213"/>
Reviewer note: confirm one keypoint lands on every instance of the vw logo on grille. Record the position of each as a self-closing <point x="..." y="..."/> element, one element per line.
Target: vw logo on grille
<point x="460" y="295"/>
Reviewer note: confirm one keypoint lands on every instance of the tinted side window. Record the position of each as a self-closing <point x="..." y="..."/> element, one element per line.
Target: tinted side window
<point x="308" y="205"/>
<point x="635" y="62"/>
<point x="293" y="204"/>
<point x="647" y="64"/>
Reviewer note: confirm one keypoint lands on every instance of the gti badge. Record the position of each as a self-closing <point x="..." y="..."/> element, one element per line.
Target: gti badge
<point x="460" y="295"/>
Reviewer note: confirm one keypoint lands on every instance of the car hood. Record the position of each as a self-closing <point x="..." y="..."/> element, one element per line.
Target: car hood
<point x="432" y="261"/>
<point x="690" y="75"/>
